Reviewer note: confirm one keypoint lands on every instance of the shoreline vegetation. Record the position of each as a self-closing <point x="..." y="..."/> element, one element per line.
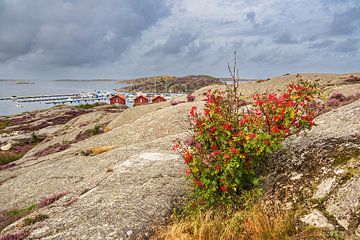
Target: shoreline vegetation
<point x="171" y="84"/>
<point x="84" y="80"/>
<point x="17" y="81"/>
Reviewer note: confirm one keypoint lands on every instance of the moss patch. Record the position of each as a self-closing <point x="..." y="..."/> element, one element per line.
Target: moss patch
<point x="38" y="218"/>
<point x="4" y="124"/>
<point x="7" y="217"/>
<point x="343" y="156"/>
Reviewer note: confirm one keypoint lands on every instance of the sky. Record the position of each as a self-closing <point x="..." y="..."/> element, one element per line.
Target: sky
<point x="121" y="39"/>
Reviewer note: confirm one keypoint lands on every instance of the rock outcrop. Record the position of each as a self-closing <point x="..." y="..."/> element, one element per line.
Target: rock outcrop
<point x="117" y="194"/>
<point x="69" y="190"/>
<point x="327" y="161"/>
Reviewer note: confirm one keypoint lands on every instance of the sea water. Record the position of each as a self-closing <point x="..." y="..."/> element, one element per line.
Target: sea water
<point x="10" y="88"/>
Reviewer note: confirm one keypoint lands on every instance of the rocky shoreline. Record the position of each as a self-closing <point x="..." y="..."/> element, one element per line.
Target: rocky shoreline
<point x="123" y="179"/>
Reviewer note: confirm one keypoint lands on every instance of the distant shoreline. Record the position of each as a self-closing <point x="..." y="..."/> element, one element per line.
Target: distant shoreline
<point x="88" y="80"/>
<point x="17" y="81"/>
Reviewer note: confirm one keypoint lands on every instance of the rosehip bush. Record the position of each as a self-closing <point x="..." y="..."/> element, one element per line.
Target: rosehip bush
<point x="228" y="140"/>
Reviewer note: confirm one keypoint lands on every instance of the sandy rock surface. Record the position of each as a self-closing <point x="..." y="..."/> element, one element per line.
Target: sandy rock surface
<point x="123" y="192"/>
<point x="118" y="194"/>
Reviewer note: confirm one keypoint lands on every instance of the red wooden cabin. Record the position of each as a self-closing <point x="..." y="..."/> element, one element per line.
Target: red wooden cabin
<point x="158" y="99"/>
<point x="117" y="99"/>
<point x="141" y="100"/>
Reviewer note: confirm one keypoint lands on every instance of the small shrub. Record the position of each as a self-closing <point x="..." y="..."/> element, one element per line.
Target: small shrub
<point x="96" y="130"/>
<point x="352" y="79"/>
<point x="333" y="102"/>
<point x="34" y="138"/>
<point x="49" y="200"/>
<point x="10" y="216"/>
<point x="335" y="235"/>
<point x="336" y="100"/>
<point x="38" y="218"/>
<point x="7" y="166"/>
<point x="83" y="135"/>
<point x="229" y="142"/>
<point x="190" y="98"/>
<point x="8" y="157"/>
<point x="52" y="149"/>
<point x="4" y="124"/>
<point x="89" y="106"/>
<point x="16" y="236"/>
<point x="338" y="96"/>
<point x="70" y="202"/>
<point x="174" y="103"/>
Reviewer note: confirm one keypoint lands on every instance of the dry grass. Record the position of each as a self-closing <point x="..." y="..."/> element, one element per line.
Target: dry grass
<point x="258" y="223"/>
<point x="32" y="220"/>
<point x="98" y="150"/>
<point x="8" y="157"/>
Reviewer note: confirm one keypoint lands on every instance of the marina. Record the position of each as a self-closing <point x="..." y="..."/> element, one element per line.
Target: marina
<point x="61" y="98"/>
<point x="46" y="100"/>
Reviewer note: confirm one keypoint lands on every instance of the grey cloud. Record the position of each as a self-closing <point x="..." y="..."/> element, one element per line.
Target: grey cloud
<point x="74" y="33"/>
<point x="84" y="38"/>
<point x="251" y="17"/>
<point x="346" y="22"/>
<point x="256" y="43"/>
<point x="175" y="43"/>
<point x="274" y="56"/>
<point x="285" y="38"/>
<point x="197" y="49"/>
<point x="347" y="46"/>
<point x="235" y="45"/>
<point x="322" y="44"/>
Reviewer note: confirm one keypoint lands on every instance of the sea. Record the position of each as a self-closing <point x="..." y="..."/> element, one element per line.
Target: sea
<point x="9" y="88"/>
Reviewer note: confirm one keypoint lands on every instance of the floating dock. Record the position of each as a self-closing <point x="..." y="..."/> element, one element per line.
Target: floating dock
<point x="60" y="98"/>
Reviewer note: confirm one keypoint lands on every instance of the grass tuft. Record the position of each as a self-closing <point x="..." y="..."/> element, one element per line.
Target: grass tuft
<point x="4" y="124"/>
<point x="89" y="106"/>
<point x="97" y="150"/>
<point x="8" y="157"/>
<point x="51" y="199"/>
<point x="257" y="223"/>
<point x="38" y="218"/>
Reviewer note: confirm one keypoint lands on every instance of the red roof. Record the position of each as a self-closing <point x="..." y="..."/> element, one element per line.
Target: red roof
<point x="159" y="97"/>
<point x="141" y="96"/>
<point x="118" y="95"/>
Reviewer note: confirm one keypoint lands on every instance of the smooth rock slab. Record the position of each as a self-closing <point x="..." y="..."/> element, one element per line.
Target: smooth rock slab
<point x="317" y="219"/>
<point x="139" y="193"/>
<point x="324" y="188"/>
<point x="345" y="202"/>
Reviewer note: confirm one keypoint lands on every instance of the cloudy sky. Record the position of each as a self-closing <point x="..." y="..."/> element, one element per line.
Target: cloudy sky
<point x="87" y="39"/>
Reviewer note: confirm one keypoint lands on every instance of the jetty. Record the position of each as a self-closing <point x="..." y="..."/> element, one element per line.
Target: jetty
<point x="40" y="97"/>
<point x="61" y="98"/>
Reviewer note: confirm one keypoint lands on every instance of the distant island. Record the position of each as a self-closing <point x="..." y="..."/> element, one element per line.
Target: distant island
<point x="168" y="84"/>
<point x="17" y="81"/>
<point x="84" y="80"/>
